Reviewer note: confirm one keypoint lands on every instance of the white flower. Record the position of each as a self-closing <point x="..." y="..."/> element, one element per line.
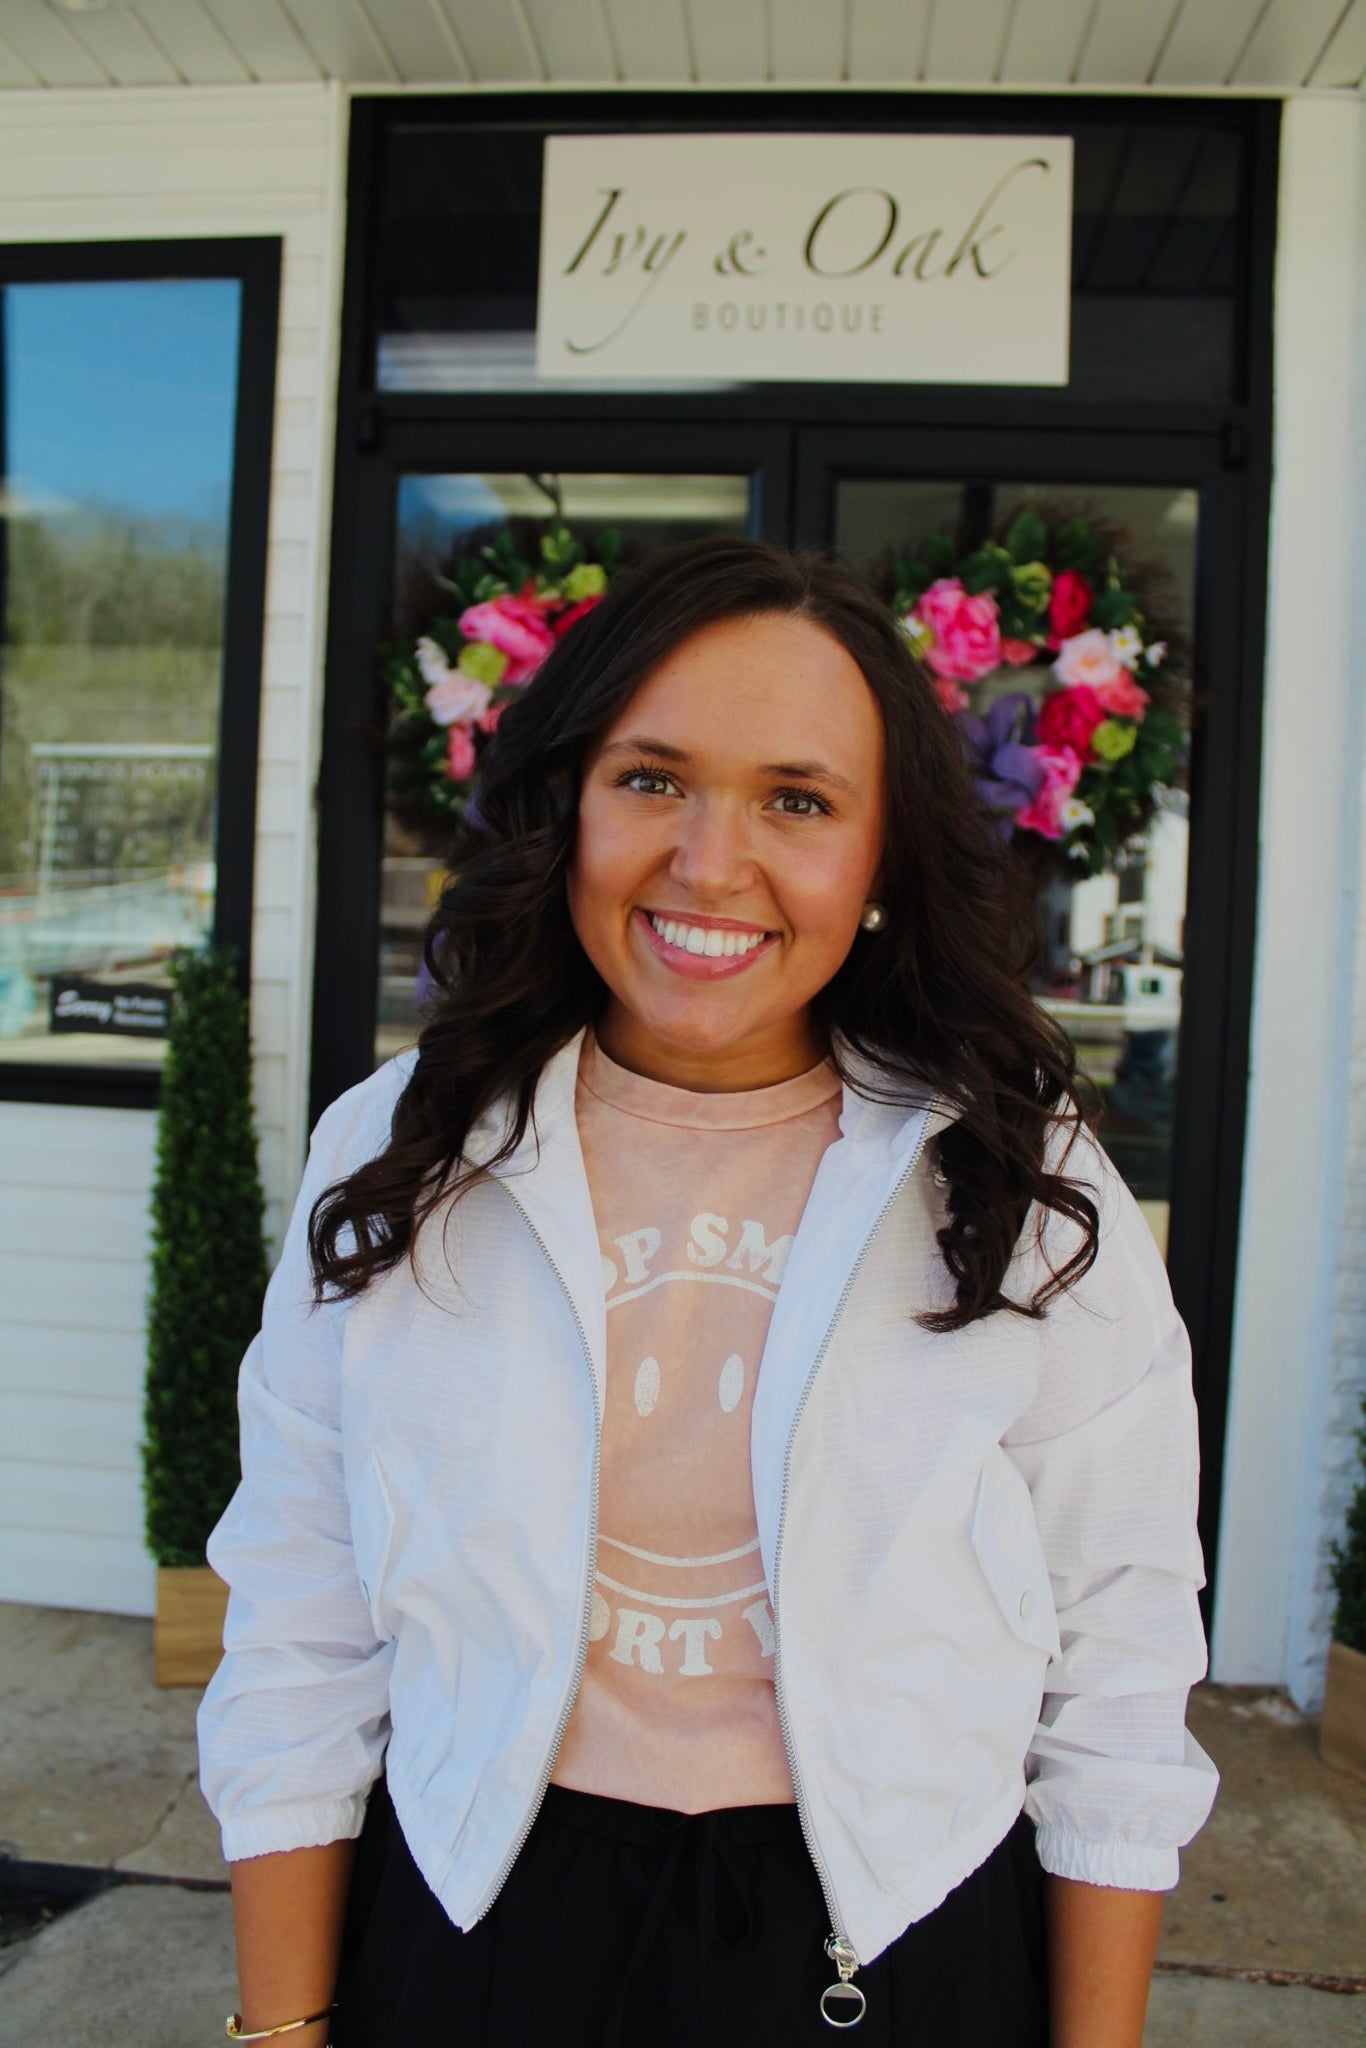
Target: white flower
<point x="1157" y="653"/>
<point x="458" y="699"/>
<point x="1126" y="645"/>
<point x="432" y="664"/>
<point x="1076" y="851"/>
<point x="917" y="632"/>
<point x="1074" y="813"/>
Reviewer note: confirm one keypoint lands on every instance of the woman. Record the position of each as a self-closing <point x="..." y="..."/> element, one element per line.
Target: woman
<point x="734" y="1502"/>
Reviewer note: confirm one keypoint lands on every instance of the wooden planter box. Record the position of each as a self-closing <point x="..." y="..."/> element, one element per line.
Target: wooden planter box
<point x="187" y="1634"/>
<point x="1342" y="1737"/>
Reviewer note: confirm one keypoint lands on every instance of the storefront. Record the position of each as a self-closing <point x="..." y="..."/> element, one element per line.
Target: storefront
<point x="1203" y="427"/>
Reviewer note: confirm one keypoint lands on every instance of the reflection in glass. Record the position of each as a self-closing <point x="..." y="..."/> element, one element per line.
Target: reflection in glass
<point x="1113" y="947"/>
<point x="117" y="416"/>
<point x="443" y="516"/>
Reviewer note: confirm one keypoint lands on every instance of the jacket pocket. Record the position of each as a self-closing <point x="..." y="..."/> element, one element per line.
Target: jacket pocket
<point x="1005" y="1538"/>
<point x="372" y="1536"/>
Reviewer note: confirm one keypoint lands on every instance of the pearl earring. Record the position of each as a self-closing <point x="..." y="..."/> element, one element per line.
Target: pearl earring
<point x="874" y="917"/>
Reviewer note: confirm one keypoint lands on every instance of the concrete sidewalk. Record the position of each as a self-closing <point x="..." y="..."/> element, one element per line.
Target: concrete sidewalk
<point x="97" y="1770"/>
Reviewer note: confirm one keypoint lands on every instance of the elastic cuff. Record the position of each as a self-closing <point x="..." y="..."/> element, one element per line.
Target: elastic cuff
<point x="292" y="1827"/>
<point x="1127" y="1866"/>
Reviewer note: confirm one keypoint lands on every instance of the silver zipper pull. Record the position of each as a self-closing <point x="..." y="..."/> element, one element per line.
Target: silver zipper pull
<point x="842" y="2004"/>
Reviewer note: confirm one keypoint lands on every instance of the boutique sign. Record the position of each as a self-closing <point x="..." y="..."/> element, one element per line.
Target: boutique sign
<point x="905" y="259"/>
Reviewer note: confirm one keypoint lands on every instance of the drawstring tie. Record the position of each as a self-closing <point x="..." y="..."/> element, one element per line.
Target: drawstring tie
<point x="712" y="1849"/>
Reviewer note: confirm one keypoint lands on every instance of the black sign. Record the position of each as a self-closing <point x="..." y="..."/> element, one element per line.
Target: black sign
<point x="131" y="1009"/>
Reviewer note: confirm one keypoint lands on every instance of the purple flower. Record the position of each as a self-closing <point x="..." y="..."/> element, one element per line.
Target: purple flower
<point x="1006" y="770"/>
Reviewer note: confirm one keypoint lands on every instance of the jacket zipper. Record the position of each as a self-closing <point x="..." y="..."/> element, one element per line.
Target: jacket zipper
<point x="838" y="1947"/>
<point x="529" y="1821"/>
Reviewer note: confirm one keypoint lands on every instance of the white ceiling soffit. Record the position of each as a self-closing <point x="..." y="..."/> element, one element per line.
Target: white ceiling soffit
<point x="1175" y="45"/>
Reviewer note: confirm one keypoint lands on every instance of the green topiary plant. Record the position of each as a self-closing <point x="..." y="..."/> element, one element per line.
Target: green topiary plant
<point x="1349" y="1565"/>
<point x="208" y="1259"/>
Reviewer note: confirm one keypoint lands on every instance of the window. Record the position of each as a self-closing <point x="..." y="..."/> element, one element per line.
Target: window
<point x="132" y="444"/>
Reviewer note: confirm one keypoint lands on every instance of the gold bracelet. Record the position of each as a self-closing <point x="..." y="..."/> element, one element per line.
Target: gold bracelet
<point x="234" y="2027"/>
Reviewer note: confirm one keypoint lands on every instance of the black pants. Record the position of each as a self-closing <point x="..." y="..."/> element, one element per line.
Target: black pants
<point x="630" y="1927"/>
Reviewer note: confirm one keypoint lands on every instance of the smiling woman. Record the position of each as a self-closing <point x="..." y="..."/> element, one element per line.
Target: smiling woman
<point x="735" y="1243"/>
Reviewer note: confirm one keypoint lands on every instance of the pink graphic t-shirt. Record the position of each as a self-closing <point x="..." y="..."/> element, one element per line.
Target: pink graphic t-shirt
<point x="697" y="1199"/>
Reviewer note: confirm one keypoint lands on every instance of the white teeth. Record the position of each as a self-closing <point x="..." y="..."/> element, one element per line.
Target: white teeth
<point x="708" y="941"/>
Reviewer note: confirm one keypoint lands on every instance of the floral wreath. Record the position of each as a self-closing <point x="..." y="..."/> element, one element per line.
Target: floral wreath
<point x="448" y="689"/>
<point x="1072" y="719"/>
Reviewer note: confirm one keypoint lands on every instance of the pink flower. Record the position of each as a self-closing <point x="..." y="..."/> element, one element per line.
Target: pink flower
<point x="1068" y="717"/>
<point x="1069" y="606"/>
<point x="952" y="696"/>
<point x="457" y="698"/>
<point x="967" y="633"/>
<point x="1061" y="771"/>
<point x="487" y="721"/>
<point x="1089" y="658"/>
<point x="516" y="627"/>
<point x="572" y="615"/>
<point x="459" y="753"/>
<point x="1019" y="652"/>
<point x="1123" y="698"/>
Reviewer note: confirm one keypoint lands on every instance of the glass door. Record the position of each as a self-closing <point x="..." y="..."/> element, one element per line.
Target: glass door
<point x="1144" y="946"/>
<point x="1112" y="943"/>
<point x="445" y="514"/>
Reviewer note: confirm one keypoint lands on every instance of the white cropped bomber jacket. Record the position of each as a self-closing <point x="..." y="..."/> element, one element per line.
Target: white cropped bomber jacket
<point x="980" y="1547"/>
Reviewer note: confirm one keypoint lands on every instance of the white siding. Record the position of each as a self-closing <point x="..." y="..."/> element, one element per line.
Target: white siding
<point x="1331" y="1466"/>
<point x="1298" y="1354"/>
<point x="1179" y="45"/>
<point x="74" y="1183"/>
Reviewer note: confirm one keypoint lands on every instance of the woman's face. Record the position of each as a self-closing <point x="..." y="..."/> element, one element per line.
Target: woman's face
<point x="730" y="833"/>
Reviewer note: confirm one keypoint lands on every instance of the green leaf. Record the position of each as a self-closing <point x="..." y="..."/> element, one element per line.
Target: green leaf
<point x="1111" y="609"/>
<point x="940" y="555"/>
<point x="987" y="569"/>
<point x="559" y="550"/>
<point x="1026" y="536"/>
<point x="608" y="548"/>
<point x="1074" y="547"/>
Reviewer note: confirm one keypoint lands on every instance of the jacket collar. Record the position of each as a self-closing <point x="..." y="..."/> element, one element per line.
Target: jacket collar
<point x="545" y="1177"/>
<point x="875" y="1111"/>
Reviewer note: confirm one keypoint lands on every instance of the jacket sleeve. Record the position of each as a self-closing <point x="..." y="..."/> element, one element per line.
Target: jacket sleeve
<point x="293" y="1726"/>
<point x="1109" y="1451"/>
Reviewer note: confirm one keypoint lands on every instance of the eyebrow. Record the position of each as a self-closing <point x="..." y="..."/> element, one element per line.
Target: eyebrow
<point x="800" y="771"/>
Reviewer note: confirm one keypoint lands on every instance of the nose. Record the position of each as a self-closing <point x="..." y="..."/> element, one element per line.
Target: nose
<point x="712" y="858"/>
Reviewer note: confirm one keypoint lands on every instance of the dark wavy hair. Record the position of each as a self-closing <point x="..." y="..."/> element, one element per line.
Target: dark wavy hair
<point x="941" y="991"/>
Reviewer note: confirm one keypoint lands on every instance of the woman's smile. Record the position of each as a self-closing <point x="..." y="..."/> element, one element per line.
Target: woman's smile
<point x="703" y="949"/>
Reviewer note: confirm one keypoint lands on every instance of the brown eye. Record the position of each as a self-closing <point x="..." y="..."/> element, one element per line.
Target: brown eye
<point x="636" y="778"/>
<point x="815" y="805"/>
